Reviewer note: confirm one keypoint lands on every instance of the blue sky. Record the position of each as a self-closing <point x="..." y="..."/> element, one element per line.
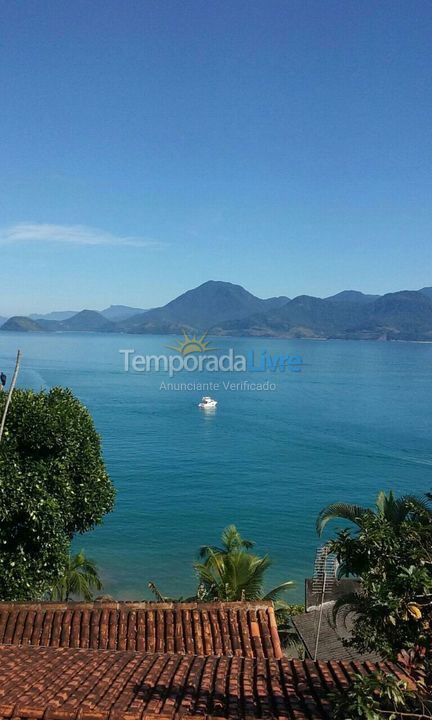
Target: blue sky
<point x="148" y="146"/>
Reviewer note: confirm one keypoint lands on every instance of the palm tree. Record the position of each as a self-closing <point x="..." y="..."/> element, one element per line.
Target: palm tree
<point x="80" y="578"/>
<point x="394" y="510"/>
<point x="231" y="540"/>
<point x="232" y="573"/>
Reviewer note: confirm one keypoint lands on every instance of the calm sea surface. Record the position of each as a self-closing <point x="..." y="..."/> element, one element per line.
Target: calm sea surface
<point x="356" y="419"/>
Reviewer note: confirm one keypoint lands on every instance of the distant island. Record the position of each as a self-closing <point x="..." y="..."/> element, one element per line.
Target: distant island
<point x="222" y="308"/>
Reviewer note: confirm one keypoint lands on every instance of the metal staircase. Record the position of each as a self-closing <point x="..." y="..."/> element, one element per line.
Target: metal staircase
<point x="324" y="579"/>
<point x="325" y="570"/>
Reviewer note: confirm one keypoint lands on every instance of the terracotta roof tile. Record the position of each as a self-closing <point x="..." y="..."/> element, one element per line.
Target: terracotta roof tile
<point x="75" y="684"/>
<point x="231" y="629"/>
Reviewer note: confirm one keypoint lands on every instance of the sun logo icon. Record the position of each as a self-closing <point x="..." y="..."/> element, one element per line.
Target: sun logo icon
<point x="192" y="344"/>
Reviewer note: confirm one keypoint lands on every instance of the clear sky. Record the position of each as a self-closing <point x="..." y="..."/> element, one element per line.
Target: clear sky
<point x="150" y="145"/>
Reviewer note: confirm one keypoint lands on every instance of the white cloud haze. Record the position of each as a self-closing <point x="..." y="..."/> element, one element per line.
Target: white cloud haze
<point x="75" y="234"/>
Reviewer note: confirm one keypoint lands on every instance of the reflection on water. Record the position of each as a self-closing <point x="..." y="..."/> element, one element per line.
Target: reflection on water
<point x="208" y="412"/>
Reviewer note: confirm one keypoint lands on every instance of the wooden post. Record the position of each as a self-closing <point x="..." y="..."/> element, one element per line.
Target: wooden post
<point x="9" y="397"/>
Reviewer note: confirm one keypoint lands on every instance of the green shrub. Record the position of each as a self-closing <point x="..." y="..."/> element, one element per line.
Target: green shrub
<point x="53" y="484"/>
<point x="372" y="697"/>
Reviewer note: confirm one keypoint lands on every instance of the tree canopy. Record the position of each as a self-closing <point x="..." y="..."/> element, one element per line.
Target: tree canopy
<point x="390" y="550"/>
<point x="232" y="572"/>
<point x="53" y="484"/>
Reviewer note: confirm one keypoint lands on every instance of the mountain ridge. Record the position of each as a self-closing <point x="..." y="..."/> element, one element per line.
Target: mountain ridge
<point x="352" y="296"/>
<point x="203" y="306"/>
<point x="223" y="308"/>
<point x="56" y="315"/>
<point x="121" y="312"/>
<point x="404" y="315"/>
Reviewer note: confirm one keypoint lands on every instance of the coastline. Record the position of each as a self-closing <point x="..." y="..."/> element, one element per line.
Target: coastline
<point x="109" y="333"/>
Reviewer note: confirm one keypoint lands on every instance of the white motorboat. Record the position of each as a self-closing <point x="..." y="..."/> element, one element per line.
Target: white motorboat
<point x="207" y="402"/>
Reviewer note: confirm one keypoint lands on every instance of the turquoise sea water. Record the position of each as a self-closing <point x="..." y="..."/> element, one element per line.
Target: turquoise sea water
<point x="356" y="419"/>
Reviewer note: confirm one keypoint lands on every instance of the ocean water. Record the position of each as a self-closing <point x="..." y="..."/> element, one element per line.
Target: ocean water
<point x="356" y="419"/>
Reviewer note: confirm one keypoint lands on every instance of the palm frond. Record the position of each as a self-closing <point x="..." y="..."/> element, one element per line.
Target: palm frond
<point x="205" y="551"/>
<point x="392" y="509"/>
<point x="415" y="504"/>
<point x="231" y="539"/>
<point x="156" y="592"/>
<point x="232" y="572"/>
<point x="274" y="593"/>
<point x="234" y="575"/>
<point x="346" y="605"/>
<point x="80" y="577"/>
<point x="345" y="511"/>
<point x="383" y="500"/>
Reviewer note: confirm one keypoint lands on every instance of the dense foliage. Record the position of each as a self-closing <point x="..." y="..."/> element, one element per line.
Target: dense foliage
<point x="390" y="550"/>
<point x="53" y="484"/>
<point x="392" y="554"/>
<point x="369" y="696"/>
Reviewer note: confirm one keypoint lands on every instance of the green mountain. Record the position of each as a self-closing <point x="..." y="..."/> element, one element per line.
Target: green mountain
<point x="227" y="309"/>
<point x="200" y="308"/>
<point x="405" y="315"/>
<point x="113" y="313"/>
<point x="87" y="320"/>
<point x="304" y="316"/>
<point x="17" y="323"/>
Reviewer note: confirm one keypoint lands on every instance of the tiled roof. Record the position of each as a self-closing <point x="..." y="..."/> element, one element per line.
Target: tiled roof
<point x="239" y="629"/>
<point x="330" y="645"/>
<point x="76" y="684"/>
